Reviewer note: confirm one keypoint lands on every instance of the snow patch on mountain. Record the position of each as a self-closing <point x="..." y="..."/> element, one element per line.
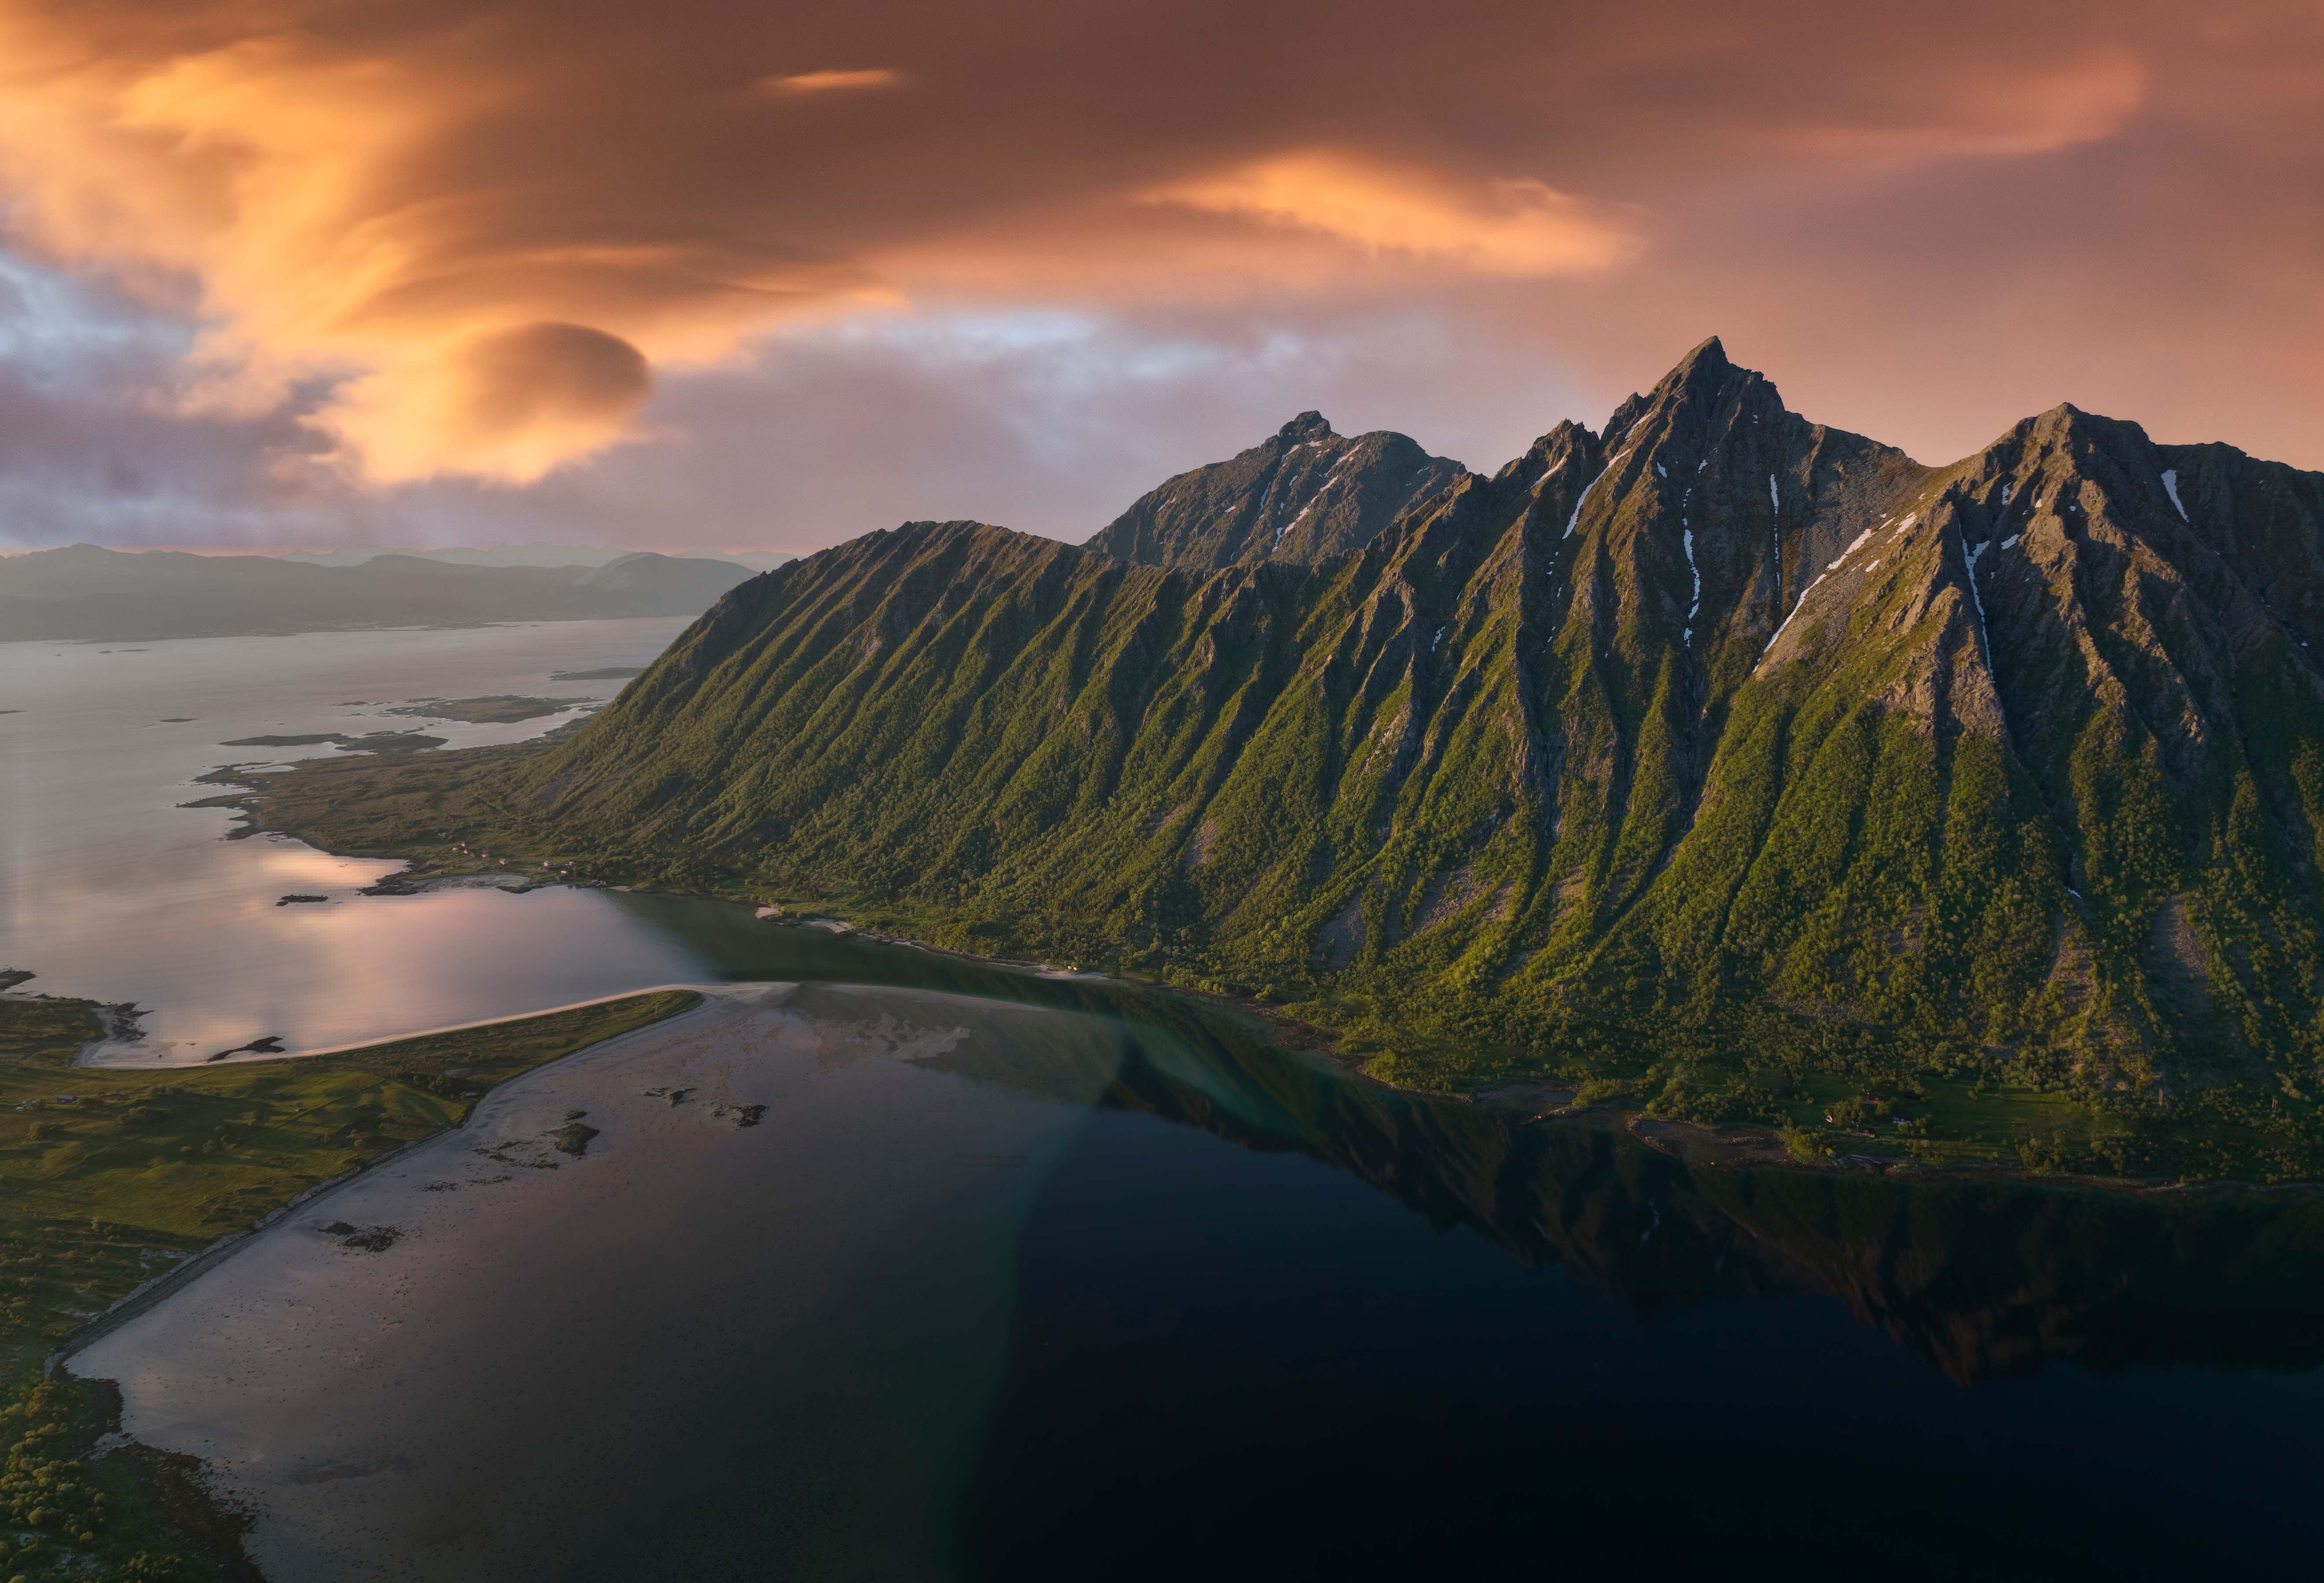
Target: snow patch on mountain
<point x="1851" y="550"/>
<point x="1686" y="539"/>
<point x="1574" y="521"/>
<point x="1984" y="639"/>
<point x="2171" y="487"/>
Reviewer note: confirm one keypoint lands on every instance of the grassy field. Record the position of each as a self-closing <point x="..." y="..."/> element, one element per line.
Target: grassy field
<point x="439" y="814"/>
<point x="45" y="1031"/>
<point x="108" y="1176"/>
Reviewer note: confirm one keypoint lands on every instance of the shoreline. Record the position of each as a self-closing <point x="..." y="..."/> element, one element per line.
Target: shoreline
<point x="143" y="1298"/>
<point x="172" y="1494"/>
<point x="239" y="1059"/>
<point x="1748" y="1147"/>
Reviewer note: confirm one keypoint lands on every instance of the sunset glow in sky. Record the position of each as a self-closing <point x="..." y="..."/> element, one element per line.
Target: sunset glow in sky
<point x="318" y="272"/>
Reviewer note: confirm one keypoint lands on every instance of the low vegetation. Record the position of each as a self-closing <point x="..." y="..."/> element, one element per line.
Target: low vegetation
<point x="498" y="709"/>
<point x="43" y="1031"/>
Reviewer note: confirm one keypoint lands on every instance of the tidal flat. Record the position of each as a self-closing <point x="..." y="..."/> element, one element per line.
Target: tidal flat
<point x="108" y="1175"/>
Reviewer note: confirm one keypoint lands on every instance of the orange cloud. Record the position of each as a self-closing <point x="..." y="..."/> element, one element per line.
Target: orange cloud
<point x="279" y="174"/>
<point x="509" y="403"/>
<point x="1511" y="226"/>
<point x="824" y="83"/>
<point x="484" y="232"/>
<point x="2004" y="111"/>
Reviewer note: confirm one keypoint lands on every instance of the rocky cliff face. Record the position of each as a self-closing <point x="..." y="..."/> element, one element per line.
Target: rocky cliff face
<point x="1305" y="494"/>
<point x="1717" y="712"/>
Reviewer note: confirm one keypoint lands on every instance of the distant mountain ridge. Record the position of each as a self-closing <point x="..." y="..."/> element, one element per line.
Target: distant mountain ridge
<point x="84" y="591"/>
<point x="1712" y="741"/>
<point x="535" y="554"/>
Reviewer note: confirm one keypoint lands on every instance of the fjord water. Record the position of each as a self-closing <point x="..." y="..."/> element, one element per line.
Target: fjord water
<point x="1108" y="1286"/>
<point x="1020" y="1277"/>
<point x="111" y="890"/>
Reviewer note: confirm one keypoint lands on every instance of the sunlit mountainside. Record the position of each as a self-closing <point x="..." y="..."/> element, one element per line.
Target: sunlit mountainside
<point x="1718" y="737"/>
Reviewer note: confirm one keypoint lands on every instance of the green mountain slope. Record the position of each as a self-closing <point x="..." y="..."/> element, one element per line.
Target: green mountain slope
<point x="1692" y="755"/>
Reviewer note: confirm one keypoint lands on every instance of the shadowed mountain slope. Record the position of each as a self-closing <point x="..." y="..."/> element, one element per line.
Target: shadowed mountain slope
<point x="1305" y="494"/>
<point x="1719" y="734"/>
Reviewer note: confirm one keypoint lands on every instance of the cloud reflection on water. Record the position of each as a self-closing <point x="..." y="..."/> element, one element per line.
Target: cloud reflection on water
<point x="110" y="889"/>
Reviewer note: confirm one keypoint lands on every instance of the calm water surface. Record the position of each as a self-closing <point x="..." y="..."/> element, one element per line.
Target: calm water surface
<point x="1105" y="1285"/>
<point x="110" y="890"/>
<point x="1019" y="1278"/>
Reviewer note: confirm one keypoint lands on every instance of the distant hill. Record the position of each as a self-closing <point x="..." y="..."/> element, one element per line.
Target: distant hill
<point x="540" y="554"/>
<point x="85" y="592"/>
<point x="756" y="560"/>
<point x="529" y="555"/>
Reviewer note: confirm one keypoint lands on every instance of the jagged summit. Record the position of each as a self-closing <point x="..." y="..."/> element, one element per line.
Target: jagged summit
<point x="1706" y="360"/>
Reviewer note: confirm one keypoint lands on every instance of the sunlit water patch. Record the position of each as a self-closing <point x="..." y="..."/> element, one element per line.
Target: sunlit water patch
<point x="111" y="891"/>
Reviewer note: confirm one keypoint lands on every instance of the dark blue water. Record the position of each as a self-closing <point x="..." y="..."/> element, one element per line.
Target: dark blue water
<point x="1231" y="1363"/>
<point x="1028" y="1279"/>
<point x="1272" y="1321"/>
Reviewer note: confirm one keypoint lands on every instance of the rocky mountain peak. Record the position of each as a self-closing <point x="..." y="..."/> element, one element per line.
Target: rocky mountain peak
<point x="1302" y="496"/>
<point x="1710" y="352"/>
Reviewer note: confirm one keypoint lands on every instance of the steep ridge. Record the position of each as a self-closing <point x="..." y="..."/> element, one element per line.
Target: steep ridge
<point x="1704" y="742"/>
<point x="1302" y="496"/>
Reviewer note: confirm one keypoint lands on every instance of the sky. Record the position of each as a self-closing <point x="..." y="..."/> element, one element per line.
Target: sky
<point x="320" y="273"/>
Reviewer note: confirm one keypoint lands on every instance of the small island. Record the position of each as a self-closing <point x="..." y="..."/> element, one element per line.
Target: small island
<point x="499" y="709"/>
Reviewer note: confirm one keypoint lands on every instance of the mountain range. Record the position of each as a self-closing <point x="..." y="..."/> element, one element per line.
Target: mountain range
<point x="1716" y="740"/>
<point x="84" y="591"/>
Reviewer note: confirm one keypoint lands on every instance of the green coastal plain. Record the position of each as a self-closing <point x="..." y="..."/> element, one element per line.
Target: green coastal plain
<point x="110" y="1177"/>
